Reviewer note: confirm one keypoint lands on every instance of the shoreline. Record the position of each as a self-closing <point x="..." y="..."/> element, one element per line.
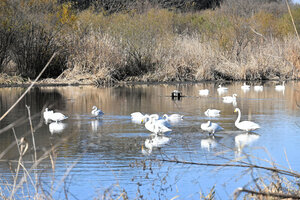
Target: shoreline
<point x="131" y="83"/>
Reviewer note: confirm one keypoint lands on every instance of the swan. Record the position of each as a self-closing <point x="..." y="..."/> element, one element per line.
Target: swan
<point x="211" y="127"/>
<point x="57" y="116"/>
<point x="280" y="87"/>
<point x="244" y="125"/>
<point x="173" y="117"/>
<point x="212" y="113"/>
<point x="55" y="127"/>
<point x="222" y="89"/>
<point x="47" y="114"/>
<point x="203" y="92"/>
<point x="229" y="99"/>
<point x="258" y="88"/>
<point x="96" y="112"/>
<point x="138" y="117"/>
<point x="156" y="126"/>
<point x="245" y="86"/>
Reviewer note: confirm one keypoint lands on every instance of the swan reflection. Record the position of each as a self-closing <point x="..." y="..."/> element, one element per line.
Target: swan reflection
<point x="96" y="124"/>
<point x="155" y="141"/>
<point x="208" y="143"/>
<point x="57" y="127"/>
<point x="245" y="139"/>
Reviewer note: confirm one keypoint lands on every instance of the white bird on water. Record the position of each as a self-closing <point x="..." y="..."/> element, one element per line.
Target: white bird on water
<point x="96" y="112"/>
<point x="57" y="117"/>
<point x="280" y="87"/>
<point x="222" y="89"/>
<point x="203" y="92"/>
<point x="229" y="99"/>
<point x="258" y="88"/>
<point x="245" y="86"/>
<point x="156" y="126"/>
<point x="245" y="125"/>
<point x="138" y="117"/>
<point x="212" y="113"/>
<point x="47" y="114"/>
<point x="211" y="127"/>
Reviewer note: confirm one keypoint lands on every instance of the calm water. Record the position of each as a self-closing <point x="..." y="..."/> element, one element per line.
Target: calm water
<point x="105" y="155"/>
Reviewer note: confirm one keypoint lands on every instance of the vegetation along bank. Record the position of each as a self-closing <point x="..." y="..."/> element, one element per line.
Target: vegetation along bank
<point x="150" y="41"/>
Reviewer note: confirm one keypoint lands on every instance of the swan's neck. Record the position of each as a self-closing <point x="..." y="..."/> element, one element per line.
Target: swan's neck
<point x="238" y="118"/>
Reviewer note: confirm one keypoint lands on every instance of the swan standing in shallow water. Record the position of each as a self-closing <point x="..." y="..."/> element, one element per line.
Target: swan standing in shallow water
<point x="96" y="112"/>
<point x="47" y="115"/>
<point x="245" y="125"/>
<point x="203" y="92"/>
<point x="245" y="86"/>
<point x="57" y="117"/>
<point x="280" y="87"/>
<point x="212" y="113"/>
<point x="156" y="126"/>
<point x="211" y="127"/>
<point x="138" y="117"/>
<point x="230" y="99"/>
<point x="221" y="89"/>
<point x="258" y="88"/>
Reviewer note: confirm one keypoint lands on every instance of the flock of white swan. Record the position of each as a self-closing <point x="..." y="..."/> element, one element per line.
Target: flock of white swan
<point x="158" y="125"/>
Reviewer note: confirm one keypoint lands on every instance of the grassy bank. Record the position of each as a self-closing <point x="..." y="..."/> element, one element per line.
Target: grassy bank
<point x="239" y="40"/>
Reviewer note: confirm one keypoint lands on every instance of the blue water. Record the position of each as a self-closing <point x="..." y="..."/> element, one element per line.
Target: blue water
<point x="103" y="158"/>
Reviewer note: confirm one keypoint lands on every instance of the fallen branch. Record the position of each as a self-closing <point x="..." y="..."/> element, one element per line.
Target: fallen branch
<point x="269" y="194"/>
<point x="246" y="165"/>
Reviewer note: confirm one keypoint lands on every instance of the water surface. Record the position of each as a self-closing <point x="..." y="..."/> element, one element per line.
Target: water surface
<point x="105" y="155"/>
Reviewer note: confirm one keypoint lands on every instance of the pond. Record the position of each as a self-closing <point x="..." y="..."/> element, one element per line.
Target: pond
<point x="104" y="158"/>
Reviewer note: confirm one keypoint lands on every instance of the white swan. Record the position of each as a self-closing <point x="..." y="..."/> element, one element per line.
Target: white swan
<point x="47" y="115"/>
<point x="55" y="127"/>
<point x="138" y="117"/>
<point x="258" y="88"/>
<point x="229" y="99"/>
<point x="156" y="126"/>
<point x="244" y="125"/>
<point x="222" y="89"/>
<point x="96" y="112"/>
<point x="211" y="127"/>
<point x="57" y="117"/>
<point x="245" y="86"/>
<point x="203" y="92"/>
<point x="212" y="113"/>
<point x="280" y="87"/>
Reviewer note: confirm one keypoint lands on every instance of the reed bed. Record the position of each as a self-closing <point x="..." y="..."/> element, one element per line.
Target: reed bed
<point x="151" y="43"/>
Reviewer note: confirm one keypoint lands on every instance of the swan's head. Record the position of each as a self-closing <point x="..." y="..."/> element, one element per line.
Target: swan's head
<point x="236" y="110"/>
<point x="220" y="86"/>
<point x="46" y="109"/>
<point x="165" y="116"/>
<point x="234" y="95"/>
<point x="94" y="107"/>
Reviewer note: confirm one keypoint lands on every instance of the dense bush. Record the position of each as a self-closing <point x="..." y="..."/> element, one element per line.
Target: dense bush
<point x="240" y="40"/>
